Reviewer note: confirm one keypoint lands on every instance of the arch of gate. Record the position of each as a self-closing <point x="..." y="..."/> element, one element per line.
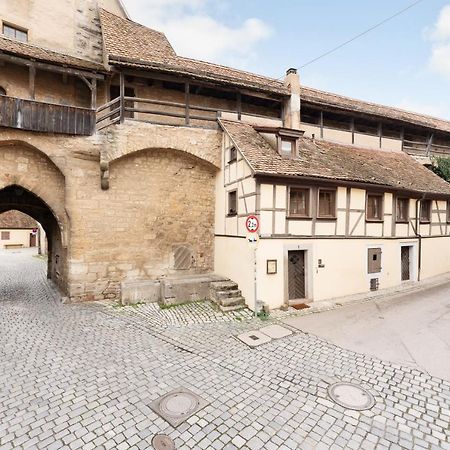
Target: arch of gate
<point x="132" y="137"/>
<point x="159" y="200"/>
<point x="31" y="183"/>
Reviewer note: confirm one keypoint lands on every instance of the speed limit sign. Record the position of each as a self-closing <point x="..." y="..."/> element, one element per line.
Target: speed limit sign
<point x="252" y="224"/>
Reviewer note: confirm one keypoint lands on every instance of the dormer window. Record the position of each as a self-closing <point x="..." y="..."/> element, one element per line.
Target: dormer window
<point x="287" y="147"/>
<point x="13" y="32"/>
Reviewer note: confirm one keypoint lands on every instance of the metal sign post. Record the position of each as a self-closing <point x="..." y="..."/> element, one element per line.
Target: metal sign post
<point x="252" y="225"/>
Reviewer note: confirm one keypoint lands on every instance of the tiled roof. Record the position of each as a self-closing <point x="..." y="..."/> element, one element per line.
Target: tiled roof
<point x="17" y="48"/>
<point x="326" y="160"/>
<point x="16" y="219"/>
<point x="323" y="98"/>
<point x="130" y="44"/>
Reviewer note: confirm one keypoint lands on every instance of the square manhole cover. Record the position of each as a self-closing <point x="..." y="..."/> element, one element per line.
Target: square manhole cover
<point x="178" y="405"/>
<point x="254" y="338"/>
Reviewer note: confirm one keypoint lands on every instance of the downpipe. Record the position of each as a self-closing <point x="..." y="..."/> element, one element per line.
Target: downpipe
<point x="419" y="236"/>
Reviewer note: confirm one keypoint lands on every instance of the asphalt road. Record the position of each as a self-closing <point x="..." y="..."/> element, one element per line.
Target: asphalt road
<point x="412" y="329"/>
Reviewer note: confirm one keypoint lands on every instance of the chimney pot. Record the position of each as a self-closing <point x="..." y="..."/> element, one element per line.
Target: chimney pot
<point x="291" y="70"/>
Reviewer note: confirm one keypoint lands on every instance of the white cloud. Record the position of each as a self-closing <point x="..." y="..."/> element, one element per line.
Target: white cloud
<point x="194" y="31"/>
<point x="439" y="35"/>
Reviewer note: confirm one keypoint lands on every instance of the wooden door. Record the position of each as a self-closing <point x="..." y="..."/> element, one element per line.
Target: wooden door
<point x="405" y="261"/>
<point x="296" y="274"/>
<point x="32" y="240"/>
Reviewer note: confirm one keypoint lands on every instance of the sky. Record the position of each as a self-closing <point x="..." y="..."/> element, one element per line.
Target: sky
<point x="404" y="63"/>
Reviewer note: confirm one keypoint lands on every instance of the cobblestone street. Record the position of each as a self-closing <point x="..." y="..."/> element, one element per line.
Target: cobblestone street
<point x="83" y="376"/>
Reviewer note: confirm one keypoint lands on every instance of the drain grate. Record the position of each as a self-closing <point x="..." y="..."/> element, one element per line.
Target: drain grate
<point x="177" y="406"/>
<point x="351" y="396"/>
<point x="163" y="442"/>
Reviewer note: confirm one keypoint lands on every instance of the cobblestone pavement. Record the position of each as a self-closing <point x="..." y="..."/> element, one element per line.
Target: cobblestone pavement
<point x="83" y="376"/>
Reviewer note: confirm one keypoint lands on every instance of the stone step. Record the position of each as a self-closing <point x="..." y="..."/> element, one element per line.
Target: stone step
<point x="224" y="285"/>
<point x="227" y="294"/>
<point x="231" y="308"/>
<point x="232" y="301"/>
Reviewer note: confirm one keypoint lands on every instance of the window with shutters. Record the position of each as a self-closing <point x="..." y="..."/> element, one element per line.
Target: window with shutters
<point x="374" y="207"/>
<point x="326" y="204"/>
<point x="299" y="202"/>
<point x="402" y="210"/>
<point x="232" y="203"/>
<point x="425" y="211"/>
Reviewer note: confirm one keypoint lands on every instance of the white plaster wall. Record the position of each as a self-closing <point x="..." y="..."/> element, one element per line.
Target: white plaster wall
<point x="17" y="237"/>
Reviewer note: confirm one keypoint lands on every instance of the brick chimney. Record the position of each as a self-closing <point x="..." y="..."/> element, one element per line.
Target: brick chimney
<point x="292" y="104"/>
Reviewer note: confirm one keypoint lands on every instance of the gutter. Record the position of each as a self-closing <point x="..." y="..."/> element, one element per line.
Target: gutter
<point x="418" y="235"/>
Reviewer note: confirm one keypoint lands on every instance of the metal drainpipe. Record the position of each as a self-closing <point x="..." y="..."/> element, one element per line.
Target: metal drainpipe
<point x="418" y="235"/>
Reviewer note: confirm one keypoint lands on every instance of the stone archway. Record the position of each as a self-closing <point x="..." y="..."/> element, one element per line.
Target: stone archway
<point x="16" y="197"/>
<point x="30" y="182"/>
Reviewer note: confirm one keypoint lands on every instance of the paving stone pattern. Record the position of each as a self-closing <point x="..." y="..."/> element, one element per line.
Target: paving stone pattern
<point x="83" y="376"/>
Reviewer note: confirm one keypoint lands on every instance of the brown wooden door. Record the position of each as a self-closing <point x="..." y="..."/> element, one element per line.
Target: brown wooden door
<point x="296" y="274"/>
<point x="405" y="263"/>
<point x="32" y="240"/>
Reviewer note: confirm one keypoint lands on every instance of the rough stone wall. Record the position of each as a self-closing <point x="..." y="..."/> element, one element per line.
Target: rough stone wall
<point x="160" y="197"/>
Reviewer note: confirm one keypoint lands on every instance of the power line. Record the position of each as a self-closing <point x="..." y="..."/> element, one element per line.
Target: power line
<point x="354" y="38"/>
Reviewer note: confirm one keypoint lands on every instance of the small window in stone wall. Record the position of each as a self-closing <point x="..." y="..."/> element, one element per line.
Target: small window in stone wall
<point x="13" y="32"/>
<point x="6" y="236"/>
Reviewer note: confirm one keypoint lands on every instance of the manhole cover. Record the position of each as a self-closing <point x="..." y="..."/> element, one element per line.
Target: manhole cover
<point x="178" y="405"/>
<point x="163" y="442"/>
<point x="351" y="396"/>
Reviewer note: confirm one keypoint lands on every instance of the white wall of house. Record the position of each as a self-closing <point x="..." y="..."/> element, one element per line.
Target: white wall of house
<point x="17" y="237"/>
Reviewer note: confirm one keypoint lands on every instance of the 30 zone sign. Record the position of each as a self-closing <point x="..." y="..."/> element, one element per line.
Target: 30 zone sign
<point x="252" y="224"/>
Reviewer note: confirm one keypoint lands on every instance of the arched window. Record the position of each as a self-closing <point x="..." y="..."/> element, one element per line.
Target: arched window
<point x="2" y="91"/>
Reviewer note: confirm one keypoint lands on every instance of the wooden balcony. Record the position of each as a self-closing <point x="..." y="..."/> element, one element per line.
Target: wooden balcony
<point x="426" y="149"/>
<point x="32" y="115"/>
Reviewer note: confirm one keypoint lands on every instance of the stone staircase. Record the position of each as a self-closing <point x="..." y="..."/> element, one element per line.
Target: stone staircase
<point x="227" y="295"/>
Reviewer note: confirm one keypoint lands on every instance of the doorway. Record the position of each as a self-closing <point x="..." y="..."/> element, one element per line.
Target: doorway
<point x="406" y="262"/>
<point x="296" y="275"/>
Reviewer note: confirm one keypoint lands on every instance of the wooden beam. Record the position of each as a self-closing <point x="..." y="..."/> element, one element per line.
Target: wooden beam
<point x="122" y="97"/>
<point x="49" y="67"/>
<point x="239" y="105"/>
<point x="380" y="133"/>
<point x="31" y="81"/>
<point x="352" y="128"/>
<point x="94" y="94"/>
<point x="186" y="101"/>
<point x="321" y="124"/>
<point x="430" y="143"/>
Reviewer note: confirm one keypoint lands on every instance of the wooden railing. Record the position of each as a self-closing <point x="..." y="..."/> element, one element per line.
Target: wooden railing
<point x="33" y="115"/>
<point x="415" y="148"/>
<point x="161" y="112"/>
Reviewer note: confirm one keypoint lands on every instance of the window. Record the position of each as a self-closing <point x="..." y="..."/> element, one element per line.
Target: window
<point x="5" y="236"/>
<point x="233" y="154"/>
<point x="448" y="211"/>
<point x="374" y="207"/>
<point x="425" y="211"/>
<point x="287" y="147"/>
<point x="299" y="202"/>
<point x="15" y="33"/>
<point x="232" y="203"/>
<point x="402" y="210"/>
<point x="327" y="204"/>
<point x="2" y="91"/>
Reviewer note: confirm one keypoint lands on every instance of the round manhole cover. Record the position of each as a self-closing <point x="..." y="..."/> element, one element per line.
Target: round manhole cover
<point x="178" y="404"/>
<point x="163" y="442"/>
<point x="351" y="396"/>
